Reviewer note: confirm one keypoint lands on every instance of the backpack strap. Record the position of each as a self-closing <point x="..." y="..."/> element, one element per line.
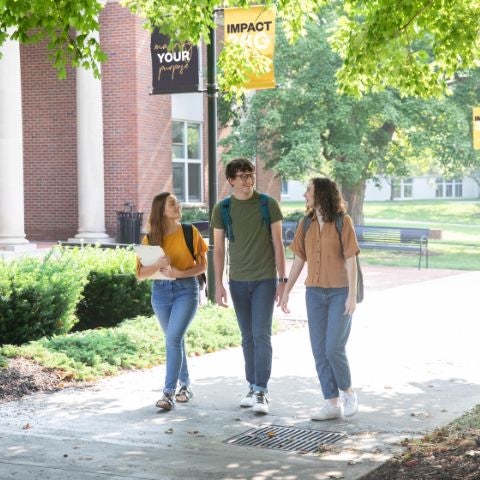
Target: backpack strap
<point x="188" y="235"/>
<point x="265" y="212"/>
<point x="225" y="205"/>
<point x="307" y="220"/>
<point x="339" y="227"/>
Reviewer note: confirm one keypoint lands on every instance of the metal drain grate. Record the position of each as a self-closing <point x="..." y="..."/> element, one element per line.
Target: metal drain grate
<point x="292" y="439"/>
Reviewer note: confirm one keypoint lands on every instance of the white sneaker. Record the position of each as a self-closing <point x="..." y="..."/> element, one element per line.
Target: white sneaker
<point x="350" y="403"/>
<point x="328" y="411"/>
<point x="248" y="400"/>
<point x="261" y="403"/>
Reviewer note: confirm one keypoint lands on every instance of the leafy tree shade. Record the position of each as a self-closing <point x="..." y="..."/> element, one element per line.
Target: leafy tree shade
<point x="415" y="47"/>
<point x="65" y="24"/>
<point x="307" y="128"/>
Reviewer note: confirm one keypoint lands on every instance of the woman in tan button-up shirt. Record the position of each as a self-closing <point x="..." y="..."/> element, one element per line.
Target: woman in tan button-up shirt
<point x="330" y="292"/>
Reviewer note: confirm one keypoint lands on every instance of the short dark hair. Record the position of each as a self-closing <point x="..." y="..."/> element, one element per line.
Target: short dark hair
<point x="238" y="165"/>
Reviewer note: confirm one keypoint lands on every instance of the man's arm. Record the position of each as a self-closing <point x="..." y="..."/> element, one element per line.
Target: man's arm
<point x="219" y="265"/>
<point x="279" y="252"/>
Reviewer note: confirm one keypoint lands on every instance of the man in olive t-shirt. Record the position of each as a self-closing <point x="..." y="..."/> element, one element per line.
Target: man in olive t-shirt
<point x="256" y="256"/>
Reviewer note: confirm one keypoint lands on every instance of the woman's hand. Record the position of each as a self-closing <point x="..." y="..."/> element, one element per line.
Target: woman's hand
<point x="162" y="262"/>
<point x="350" y="305"/>
<point x="169" y="272"/>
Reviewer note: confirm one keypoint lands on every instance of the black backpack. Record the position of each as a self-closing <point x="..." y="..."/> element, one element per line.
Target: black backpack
<point x="307" y="220"/>
<point x="188" y="234"/>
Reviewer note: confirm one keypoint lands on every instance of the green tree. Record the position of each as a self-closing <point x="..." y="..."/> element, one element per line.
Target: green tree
<point x="415" y="47"/>
<point x="307" y="127"/>
<point x="66" y="25"/>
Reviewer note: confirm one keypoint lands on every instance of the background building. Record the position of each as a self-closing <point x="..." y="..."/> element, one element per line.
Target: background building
<point x="415" y="188"/>
<point x="74" y="152"/>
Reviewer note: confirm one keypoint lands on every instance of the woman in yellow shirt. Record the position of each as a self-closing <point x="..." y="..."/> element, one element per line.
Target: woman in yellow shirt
<point x="174" y="299"/>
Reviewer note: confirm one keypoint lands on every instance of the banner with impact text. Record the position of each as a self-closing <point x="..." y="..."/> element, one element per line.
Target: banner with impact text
<point x="176" y="70"/>
<point x="476" y="128"/>
<point x="253" y="27"/>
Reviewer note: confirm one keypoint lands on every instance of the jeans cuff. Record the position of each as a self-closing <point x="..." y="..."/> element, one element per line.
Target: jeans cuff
<point x="260" y="389"/>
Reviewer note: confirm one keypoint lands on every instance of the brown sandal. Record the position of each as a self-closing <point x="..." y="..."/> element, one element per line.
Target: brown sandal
<point x="184" y="394"/>
<point x="167" y="402"/>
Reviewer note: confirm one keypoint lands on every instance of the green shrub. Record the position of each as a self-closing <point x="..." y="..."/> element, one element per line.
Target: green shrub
<point x="194" y="214"/>
<point x="3" y="362"/>
<point x="112" y="292"/>
<point x="294" y="216"/>
<point x="38" y="297"/>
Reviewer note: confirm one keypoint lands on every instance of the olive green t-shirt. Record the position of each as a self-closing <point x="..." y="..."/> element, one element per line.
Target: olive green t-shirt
<point x="251" y="253"/>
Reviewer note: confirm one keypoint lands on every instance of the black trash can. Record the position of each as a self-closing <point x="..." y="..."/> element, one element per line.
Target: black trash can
<point x="129" y="225"/>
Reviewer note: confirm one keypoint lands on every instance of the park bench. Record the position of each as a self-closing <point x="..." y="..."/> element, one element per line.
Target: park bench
<point x="395" y="238"/>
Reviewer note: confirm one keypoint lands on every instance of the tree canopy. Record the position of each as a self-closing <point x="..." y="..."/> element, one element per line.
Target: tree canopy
<point x="307" y="128"/>
<point x="66" y="25"/>
<point x="415" y="47"/>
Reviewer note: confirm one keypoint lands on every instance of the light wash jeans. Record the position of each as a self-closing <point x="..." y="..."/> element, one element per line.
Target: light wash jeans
<point x="253" y="302"/>
<point x="329" y="331"/>
<point x="175" y="304"/>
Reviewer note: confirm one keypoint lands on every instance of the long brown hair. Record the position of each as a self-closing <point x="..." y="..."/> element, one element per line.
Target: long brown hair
<point x="156" y="221"/>
<point x="327" y="198"/>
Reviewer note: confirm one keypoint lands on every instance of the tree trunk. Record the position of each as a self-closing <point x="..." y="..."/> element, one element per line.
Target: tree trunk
<point x="354" y="196"/>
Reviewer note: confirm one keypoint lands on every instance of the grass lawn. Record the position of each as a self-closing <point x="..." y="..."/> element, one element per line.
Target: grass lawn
<point x="458" y="220"/>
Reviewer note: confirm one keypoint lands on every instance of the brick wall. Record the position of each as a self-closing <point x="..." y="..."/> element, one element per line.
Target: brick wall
<point x="49" y="147"/>
<point x="137" y="133"/>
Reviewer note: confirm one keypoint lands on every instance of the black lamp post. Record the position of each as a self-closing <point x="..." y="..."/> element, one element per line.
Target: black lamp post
<point x="212" y="94"/>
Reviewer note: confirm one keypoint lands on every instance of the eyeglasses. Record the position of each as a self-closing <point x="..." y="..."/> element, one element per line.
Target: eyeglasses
<point x="246" y="176"/>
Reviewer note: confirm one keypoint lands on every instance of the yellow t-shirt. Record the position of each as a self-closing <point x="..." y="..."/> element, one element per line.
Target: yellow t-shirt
<point x="176" y="249"/>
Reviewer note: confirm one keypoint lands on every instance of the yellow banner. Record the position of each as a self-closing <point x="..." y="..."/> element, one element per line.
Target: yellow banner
<point x="253" y="27"/>
<point x="476" y="128"/>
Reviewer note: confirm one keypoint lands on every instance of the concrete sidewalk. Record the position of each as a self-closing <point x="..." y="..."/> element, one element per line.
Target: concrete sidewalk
<point x="413" y="352"/>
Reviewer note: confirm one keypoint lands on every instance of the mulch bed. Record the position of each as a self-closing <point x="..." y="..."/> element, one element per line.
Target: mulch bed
<point x="441" y="455"/>
<point x="22" y="377"/>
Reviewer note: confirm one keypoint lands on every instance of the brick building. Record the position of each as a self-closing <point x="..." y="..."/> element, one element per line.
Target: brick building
<point x="73" y="152"/>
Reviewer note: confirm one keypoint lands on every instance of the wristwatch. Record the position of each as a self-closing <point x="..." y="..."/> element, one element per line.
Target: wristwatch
<point x="283" y="280"/>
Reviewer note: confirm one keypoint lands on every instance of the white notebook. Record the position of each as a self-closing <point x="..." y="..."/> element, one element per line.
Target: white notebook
<point x="148" y="255"/>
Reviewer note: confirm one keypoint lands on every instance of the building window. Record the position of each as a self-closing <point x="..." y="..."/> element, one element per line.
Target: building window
<point x="187" y="161"/>
<point x="407" y="187"/>
<point x="449" y="188"/>
<point x="402" y="188"/>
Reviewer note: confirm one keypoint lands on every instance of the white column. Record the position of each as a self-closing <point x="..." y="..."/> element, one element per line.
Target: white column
<point x="12" y="218"/>
<point x="91" y="197"/>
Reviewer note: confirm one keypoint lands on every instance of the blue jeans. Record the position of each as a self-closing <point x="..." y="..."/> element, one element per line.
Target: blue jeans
<point x="329" y="330"/>
<point x="253" y="302"/>
<point x="175" y="304"/>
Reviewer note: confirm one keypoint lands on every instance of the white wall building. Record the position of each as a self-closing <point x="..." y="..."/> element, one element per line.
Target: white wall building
<point x="415" y="188"/>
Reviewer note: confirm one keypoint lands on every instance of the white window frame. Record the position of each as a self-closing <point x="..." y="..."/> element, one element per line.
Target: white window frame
<point x="454" y="184"/>
<point x="185" y="161"/>
<point x="402" y="184"/>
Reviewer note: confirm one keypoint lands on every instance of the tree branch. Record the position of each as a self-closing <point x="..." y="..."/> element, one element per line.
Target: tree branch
<point x="416" y="15"/>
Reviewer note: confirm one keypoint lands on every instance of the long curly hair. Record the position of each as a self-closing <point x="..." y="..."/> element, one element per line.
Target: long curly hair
<point x="327" y="198"/>
<point x="156" y="221"/>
